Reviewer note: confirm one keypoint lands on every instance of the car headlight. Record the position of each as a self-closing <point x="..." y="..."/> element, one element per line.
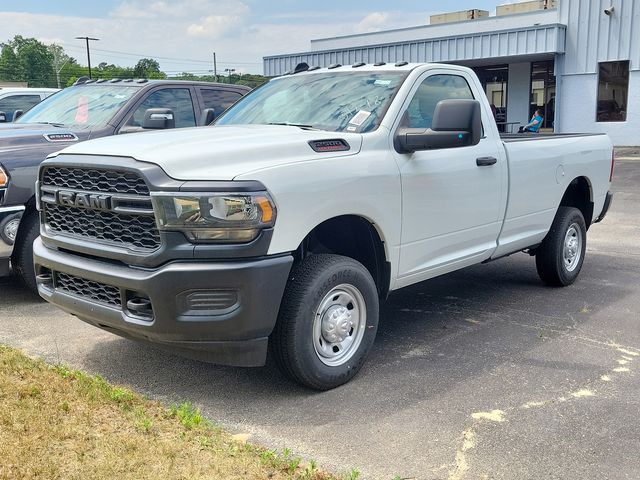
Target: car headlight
<point x="215" y="217"/>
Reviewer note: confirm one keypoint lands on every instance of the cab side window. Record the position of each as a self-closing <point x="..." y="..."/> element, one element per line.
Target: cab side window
<point x="10" y="104"/>
<point x="219" y="99"/>
<point x="177" y="99"/>
<point x="419" y="114"/>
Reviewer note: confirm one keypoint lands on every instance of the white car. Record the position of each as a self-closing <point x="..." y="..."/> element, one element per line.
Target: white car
<point x="13" y="99"/>
<point x="286" y="223"/>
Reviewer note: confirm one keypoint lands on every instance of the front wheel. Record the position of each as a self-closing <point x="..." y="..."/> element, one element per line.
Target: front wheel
<point x="327" y="322"/>
<point x="560" y="257"/>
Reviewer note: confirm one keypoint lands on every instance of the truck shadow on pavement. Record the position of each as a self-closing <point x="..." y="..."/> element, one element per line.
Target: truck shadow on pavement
<point x="432" y="337"/>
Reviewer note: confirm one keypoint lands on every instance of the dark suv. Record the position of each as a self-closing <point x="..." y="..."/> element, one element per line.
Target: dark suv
<point x="89" y="109"/>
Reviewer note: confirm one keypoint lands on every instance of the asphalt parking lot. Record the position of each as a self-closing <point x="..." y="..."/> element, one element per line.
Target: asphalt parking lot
<point x="483" y="373"/>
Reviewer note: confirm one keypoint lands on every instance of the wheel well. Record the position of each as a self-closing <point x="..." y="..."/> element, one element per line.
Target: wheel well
<point x="578" y="195"/>
<point x="30" y="209"/>
<point x="354" y="237"/>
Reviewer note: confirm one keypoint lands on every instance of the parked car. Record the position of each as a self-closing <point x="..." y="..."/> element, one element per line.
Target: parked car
<point x="14" y="100"/>
<point x="89" y="109"/>
<point x="286" y="223"/>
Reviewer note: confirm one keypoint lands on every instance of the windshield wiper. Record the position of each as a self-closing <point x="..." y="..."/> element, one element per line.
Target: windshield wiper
<point x="293" y="125"/>
<point x="54" y="124"/>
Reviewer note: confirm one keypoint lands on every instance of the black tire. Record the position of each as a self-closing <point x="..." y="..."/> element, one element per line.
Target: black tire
<point x="22" y="258"/>
<point x="293" y="344"/>
<point x="550" y="261"/>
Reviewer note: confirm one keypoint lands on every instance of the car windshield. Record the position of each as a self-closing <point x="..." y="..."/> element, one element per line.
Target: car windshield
<point x="83" y="106"/>
<point x="333" y="101"/>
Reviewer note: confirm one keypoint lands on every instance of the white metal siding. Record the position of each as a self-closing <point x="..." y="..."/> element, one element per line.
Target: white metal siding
<point x="534" y="40"/>
<point x="594" y="37"/>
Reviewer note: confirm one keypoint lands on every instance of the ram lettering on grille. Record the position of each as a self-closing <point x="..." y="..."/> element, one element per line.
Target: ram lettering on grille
<point x="78" y="203"/>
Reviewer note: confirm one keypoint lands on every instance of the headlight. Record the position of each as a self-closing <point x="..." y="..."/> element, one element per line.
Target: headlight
<point x="215" y="217"/>
<point x="4" y="178"/>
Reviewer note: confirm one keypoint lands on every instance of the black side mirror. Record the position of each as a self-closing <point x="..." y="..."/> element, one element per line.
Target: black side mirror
<point x="207" y="116"/>
<point x="456" y="123"/>
<point x="3" y="117"/>
<point x="17" y="114"/>
<point x="158" y="119"/>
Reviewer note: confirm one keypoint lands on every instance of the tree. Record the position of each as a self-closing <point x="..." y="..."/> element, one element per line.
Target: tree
<point x="64" y="66"/>
<point x="10" y="68"/>
<point x="147" y="68"/>
<point x="36" y="61"/>
<point x="27" y="60"/>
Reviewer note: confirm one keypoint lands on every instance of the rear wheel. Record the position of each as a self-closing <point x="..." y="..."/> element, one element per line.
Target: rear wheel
<point x="327" y="321"/>
<point x="22" y="259"/>
<point x="560" y="257"/>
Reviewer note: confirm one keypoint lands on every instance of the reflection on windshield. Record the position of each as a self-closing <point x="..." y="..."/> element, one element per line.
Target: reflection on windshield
<point x="85" y="106"/>
<point x="333" y="101"/>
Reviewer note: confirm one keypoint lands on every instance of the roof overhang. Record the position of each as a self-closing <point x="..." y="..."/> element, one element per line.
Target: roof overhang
<point x="474" y="47"/>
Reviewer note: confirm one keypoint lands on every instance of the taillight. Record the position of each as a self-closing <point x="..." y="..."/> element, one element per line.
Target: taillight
<point x="613" y="163"/>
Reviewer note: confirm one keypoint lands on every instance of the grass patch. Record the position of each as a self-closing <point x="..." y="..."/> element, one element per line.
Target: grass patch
<point x="56" y="422"/>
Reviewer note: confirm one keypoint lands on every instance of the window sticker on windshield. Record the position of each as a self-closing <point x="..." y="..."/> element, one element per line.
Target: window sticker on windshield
<point x="382" y="82"/>
<point x="359" y="118"/>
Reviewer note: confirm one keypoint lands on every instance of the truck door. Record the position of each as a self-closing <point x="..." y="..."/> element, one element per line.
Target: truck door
<point x="452" y="202"/>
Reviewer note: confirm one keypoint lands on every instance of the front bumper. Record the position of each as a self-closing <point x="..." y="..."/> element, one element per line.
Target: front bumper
<point x="8" y="218"/>
<point x="216" y="311"/>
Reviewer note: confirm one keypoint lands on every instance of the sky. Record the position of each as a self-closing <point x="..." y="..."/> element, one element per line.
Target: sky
<point x="183" y="34"/>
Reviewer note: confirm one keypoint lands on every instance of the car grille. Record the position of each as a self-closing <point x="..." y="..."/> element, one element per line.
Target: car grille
<point x="95" y="180"/>
<point x="134" y="230"/>
<point x="108" y="227"/>
<point x="98" y="292"/>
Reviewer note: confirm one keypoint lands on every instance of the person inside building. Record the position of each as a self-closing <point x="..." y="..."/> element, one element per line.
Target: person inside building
<point x="534" y="125"/>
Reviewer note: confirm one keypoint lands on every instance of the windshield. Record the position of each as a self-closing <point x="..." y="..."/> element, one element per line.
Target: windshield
<point x="333" y="101"/>
<point x="83" y="106"/>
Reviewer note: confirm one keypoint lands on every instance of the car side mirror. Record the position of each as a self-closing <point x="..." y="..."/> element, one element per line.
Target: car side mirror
<point x="456" y="123"/>
<point x="17" y="114"/>
<point x="158" y="119"/>
<point x="207" y="116"/>
<point x="3" y="117"/>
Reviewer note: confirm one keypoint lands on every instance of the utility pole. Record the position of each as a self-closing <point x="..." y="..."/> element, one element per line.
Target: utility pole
<point x="86" y="39"/>
<point x="230" y="71"/>
<point x="215" y="68"/>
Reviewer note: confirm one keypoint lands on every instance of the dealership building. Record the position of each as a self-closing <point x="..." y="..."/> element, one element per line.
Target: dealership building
<point x="576" y="60"/>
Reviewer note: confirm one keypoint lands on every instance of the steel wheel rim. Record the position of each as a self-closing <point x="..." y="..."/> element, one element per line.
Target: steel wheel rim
<point x="339" y="324"/>
<point x="572" y="248"/>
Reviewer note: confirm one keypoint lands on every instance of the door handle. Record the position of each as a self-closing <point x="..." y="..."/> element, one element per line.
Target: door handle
<point x="486" y="161"/>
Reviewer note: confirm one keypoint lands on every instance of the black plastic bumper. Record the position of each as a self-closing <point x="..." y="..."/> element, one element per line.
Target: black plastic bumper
<point x="607" y="203"/>
<point x="221" y="312"/>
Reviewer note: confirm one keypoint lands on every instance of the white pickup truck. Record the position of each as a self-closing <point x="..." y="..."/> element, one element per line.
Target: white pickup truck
<point x="286" y="223"/>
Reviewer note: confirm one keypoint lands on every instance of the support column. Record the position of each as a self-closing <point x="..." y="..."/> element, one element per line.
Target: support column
<point x="519" y="93"/>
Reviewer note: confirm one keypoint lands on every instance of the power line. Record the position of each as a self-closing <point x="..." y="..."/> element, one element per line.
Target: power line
<point x="140" y="55"/>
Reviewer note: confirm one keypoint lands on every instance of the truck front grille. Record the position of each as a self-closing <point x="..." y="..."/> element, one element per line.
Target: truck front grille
<point x="125" y="230"/>
<point x="95" y="180"/>
<point x="125" y="219"/>
<point x="81" y="287"/>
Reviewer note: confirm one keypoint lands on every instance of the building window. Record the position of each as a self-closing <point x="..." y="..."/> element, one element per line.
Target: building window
<point x="494" y="80"/>
<point x="543" y="92"/>
<point x="613" y="88"/>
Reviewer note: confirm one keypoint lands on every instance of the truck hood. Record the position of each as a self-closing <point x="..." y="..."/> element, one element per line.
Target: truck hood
<point x="14" y="136"/>
<point x="218" y="152"/>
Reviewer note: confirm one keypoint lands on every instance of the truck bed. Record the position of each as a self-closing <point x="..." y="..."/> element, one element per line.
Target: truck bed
<point x="521" y="137"/>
